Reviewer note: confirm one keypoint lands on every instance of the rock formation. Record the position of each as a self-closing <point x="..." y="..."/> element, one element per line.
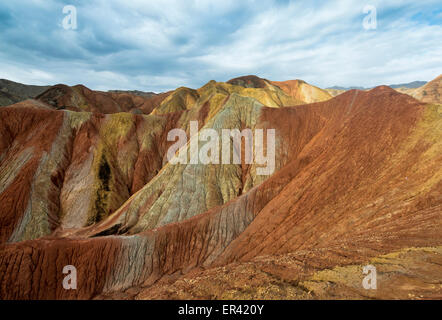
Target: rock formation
<point x="85" y="181"/>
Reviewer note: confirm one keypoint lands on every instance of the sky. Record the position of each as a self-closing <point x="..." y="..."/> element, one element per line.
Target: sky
<point x="161" y="45"/>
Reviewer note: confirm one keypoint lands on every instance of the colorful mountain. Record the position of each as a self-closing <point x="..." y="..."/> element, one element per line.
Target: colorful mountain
<point x="85" y="181"/>
<point x="431" y="92"/>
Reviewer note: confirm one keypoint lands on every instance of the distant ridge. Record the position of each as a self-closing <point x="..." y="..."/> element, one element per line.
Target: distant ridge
<point x="409" y="85"/>
<point x="12" y="92"/>
<point x="345" y="88"/>
<point x="137" y="101"/>
<point x="135" y="92"/>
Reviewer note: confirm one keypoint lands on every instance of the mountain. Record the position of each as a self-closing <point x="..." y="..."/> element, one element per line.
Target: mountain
<point x="298" y="89"/>
<point x="135" y="92"/>
<point x="410" y="85"/>
<point x="407" y="88"/>
<point x="357" y="180"/>
<point x="335" y="92"/>
<point x="431" y="92"/>
<point x="303" y="91"/>
<point x="12" y="92"/>
<point x="250" y="81"/>
<point x="105" y="136"/>
<point x="346" y="88"/>
<point x="80" y="98"/>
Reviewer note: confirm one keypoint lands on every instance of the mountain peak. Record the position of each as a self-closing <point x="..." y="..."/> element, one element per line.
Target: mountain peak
<point x="250" y="81"/>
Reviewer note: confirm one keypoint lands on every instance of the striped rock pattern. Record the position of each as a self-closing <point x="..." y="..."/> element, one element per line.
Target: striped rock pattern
<point x="358" y="179"/>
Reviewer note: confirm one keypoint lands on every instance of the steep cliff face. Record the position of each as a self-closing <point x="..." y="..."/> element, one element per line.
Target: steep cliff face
<point x="356" y="177"/>
<point x="73" y="168"/>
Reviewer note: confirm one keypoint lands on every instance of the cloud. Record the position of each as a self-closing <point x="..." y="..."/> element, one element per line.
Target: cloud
<point x="161" y="45"/>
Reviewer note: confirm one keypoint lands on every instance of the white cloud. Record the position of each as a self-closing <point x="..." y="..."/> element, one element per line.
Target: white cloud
<point x="160" y="45"/>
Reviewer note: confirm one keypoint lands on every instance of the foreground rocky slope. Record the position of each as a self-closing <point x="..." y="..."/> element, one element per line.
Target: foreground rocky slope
<point x="403" y="274"/>
<point x="357" y="177"/>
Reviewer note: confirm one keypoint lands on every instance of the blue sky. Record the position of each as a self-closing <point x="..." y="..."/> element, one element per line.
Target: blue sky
<point x="160" y="45"/>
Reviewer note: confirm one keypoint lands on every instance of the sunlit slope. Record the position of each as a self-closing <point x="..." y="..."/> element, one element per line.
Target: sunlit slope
<point x="303" y="91"/>
<point x="431" y="92"/>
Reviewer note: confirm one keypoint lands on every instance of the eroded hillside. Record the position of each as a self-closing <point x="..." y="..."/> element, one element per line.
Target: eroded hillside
<point x="357" y="179"/>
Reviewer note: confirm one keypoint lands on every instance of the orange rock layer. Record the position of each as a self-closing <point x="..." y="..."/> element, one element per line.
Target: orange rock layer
<point x="358" y="176"/>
